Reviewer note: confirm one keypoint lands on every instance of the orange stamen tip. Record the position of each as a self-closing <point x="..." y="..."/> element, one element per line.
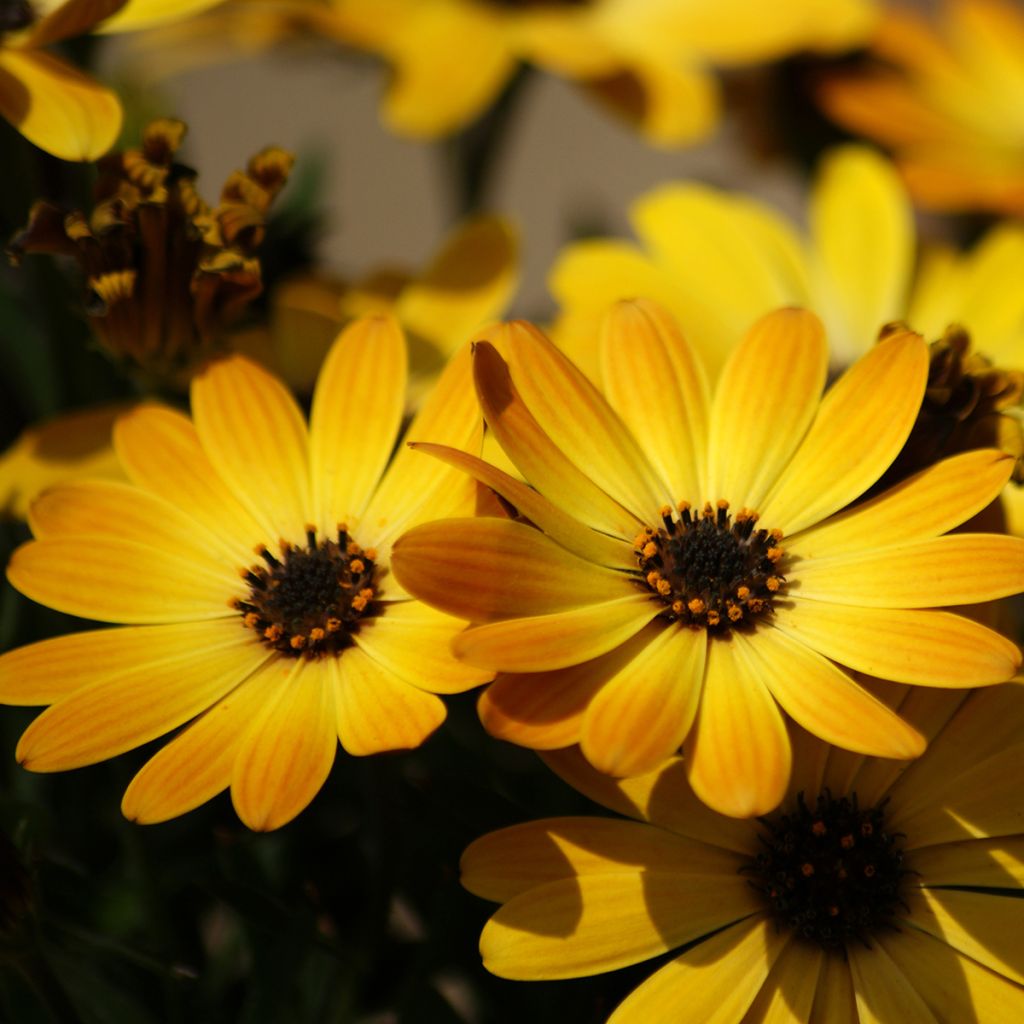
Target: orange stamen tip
<point x="776" y="535"/>
<point x="356" y="565"/>
<point x="807" y="870"/>
<point x="652" y="578"/>
<point x="721" y="503"/>
<point x="773" y="583"/>
<point x="819" y="828"/>
<point x="743" y="593"/>
<point x="714" y="618"/>
<point x="367" y="592"/>
<point x="297" y="642"/>
<point x="333" y="625"/>
<point x="371" y="554"/>
<point x="317" y="634"/>
<point x="846" y="842"/>
<point x="664" y="588"/>
<point x="665" y="510"/>
<point x="773" y="554"/>
<point x="683" y="506"/>
<point x="251" y="619"/>
<point x="708" y="511"/>
<point x="735" y="613"/>
<point x="273" y="633"/>
<point x="650" y="549"/>
<point x="696" y="606"/>
<point x="678" y="606"/>
<point x="359" y="603"/>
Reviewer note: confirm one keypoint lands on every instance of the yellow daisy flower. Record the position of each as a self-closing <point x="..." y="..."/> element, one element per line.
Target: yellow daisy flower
<point x="685" y="571"/>
<point x="49" y="101"/>
<point x="250" y="562"/>
<point x="645" y="60"/>
<point x="946" y="96"/>
<point x="876" y="893"/>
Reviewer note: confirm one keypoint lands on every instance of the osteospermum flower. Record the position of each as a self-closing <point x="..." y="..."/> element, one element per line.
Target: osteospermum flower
<point x="48" y="100"/>
<point x="945" y="95"/>
<point x="685" y="571"/>
<point x="646" y="61"/>
<point x="869" y="896"/>
<point x="249" y="560"/>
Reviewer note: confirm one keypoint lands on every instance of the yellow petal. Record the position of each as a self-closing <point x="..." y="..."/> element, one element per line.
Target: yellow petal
<point x="488" y="569"/>
<point x="541" y="643"/>
<point x="883" y="992"/>
<point x="197" y="764"/>
<point x="663" y="797"/>
<point x="467" y="284"/>
<point x="826" y="701"/>
<point x="415" y="487"/>
<point x="514" y="860"/>
<point x="996" y="863"/>
<point x="66" y="19"/>
<point x="643" y="713"/>
<point x="581" y="926"/>
<point x="140" y="14"/>
<point x="983" y="926"/>
<point x="766" y="398"/>
<point x="73" y="445"/>
<point x="580" y="422"/>
<point x="534" y="452"/>
<point x="377" y="710"/>
<point x="955" y="987"/>
<point x="863" y="422"/>
<point x="188" y="668"/>
<point x="925" y="505"/>
<point x="160" y="451"/>
<point x="654" y="382"/>
<point x="930" y="648"/>
<point x="97" y="507"/>
<point x="255" y="436"/>
<point x="357" y="412"/>
<point x="530" y="505"/>
<point x="834" y="1002"/>
<point x="863" y="232"/>
<point x="413" y="642"/>
<point x="788" y="993"/>
<point x="288" y="749"/>
<point x="57" y="107"/>
<point x="114" y="580"/>
<point x="739" y="757"/>
<point x="716" y="981"/>
<point x="962" y="568"/>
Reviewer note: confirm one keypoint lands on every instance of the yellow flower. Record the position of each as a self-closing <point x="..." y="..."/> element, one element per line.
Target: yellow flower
<point x="947" y="97"/>
<point x="874" y="893"/>
<point x="720" y="261"/>
<point x="647" y="61"/>
<point x="685" y="571"/>
<point x="249" y="560"/>
<point x="51" y="103"/>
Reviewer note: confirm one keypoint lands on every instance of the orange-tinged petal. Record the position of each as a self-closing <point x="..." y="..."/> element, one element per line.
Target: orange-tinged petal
<point x="654" y="382"/>
<point x="580" y="422"/>
<point x="826" y="701"/>
<point x="377" y="710"/>
<point x="930" y="648"/>
<point x="962" y="568"/>
<point x="541" y="643"/>
<point x="643" y="713"/>
<point x="160" y="451"/>
<point x="489" y="569"/>
<point x="357" y="412"/>
<point x="533" y="451"/>
<point x="765" y="401"/>
<point x="56" y="107"/>
<point x="255" y="436"/>
<point x="925" y="505"/>
<point x="113" y="580"/>
<point x="198" y="763"/>
<point x="187" y="670"/>
<point x="883" y="992"/>
<point x="983" y="926"/>
<point x="414" y="641"/>
<point x="716" y="981"/>
<point x="287" y="752"/>
<point x="738" y="757"/>
<point x="955" y="987"/>
<point x="861" y="426"/>
<point x="533" y="506"/>
<point x="94" y="507"/>
<point x="415" y="487"/>
<point x="503" y="864"/>
<point x="580" y="926"/>
<point x="662" y="797"/>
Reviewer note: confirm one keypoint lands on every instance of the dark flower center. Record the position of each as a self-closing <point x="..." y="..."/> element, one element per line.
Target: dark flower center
<point x="311" y="600"/>
<point x="15" y="14"/>
<point x="709" y="570"/>
<point x="832" y="873"/>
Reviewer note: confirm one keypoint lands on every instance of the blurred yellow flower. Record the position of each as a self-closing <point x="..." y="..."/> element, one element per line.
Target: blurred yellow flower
<point x="50" y="102"/>
<point x="684" y="571"/>
<point x="646" y="60"/>
<point x="250" y="561"/>
<point x="877" y="892"/>
<point x="947" y="97"/>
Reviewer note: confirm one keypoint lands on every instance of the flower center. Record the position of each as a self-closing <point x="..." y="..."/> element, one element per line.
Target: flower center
<point x="310" y="601"/>
<point x="831" y="873"/>
<point x="709" y="570"/>
<point x="15" y="14"/>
